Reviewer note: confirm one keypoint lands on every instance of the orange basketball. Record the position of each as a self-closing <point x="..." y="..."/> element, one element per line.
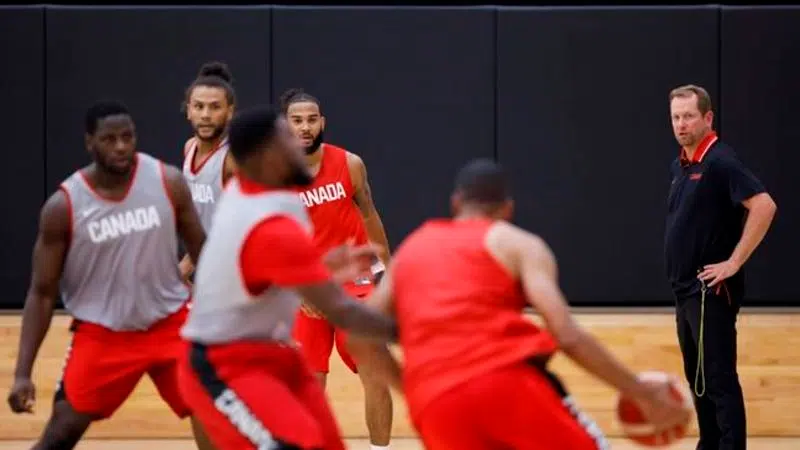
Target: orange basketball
<point x="638" y="429"/>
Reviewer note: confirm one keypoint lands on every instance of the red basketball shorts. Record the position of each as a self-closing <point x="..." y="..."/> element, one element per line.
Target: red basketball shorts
<point x="519" y="407"/>
<point x="253" y="395"/>
<point x="316" y="337"/>
<point x="103" y="367"/>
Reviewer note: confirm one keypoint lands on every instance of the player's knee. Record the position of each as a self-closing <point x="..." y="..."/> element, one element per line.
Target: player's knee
<point x="374" y="386"/>
<point x="66" y="427"/>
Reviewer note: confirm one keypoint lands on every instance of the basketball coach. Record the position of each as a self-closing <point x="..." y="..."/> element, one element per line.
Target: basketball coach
<point x="718" y="213"/>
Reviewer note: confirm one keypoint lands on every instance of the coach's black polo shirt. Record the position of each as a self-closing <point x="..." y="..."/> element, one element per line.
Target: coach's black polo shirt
<point x="705" y="215"/>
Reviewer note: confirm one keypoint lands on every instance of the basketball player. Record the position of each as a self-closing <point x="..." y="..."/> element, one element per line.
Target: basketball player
<point x="243" y="376"/>
<point x="475" y="370"/>
<point x="107" y="238"/>
<point x="207" y="165"/>
<point x="341" y="208"/>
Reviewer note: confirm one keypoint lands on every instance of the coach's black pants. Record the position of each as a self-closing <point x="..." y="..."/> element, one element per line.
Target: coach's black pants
<point x="720" y="409"/>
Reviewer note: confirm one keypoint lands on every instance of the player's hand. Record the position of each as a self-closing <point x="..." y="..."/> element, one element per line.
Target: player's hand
<point x="22" y="396"/>
<point x="660" y="407"/>
<point x="348" y="262"/>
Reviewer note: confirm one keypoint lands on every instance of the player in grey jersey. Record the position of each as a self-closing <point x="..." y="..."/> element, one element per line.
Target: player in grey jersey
<point x="243" y="377"/>
<point x="107" y="241"/>
<point x="207" y="164"/>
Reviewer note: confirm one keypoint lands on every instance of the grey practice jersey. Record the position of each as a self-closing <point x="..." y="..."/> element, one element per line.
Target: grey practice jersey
<point x="223" y="310"/>
<point x="121" y="269"/>
<point x="206" y="182"/>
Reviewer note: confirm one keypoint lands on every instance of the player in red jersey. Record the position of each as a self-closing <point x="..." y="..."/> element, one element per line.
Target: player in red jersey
<point x="341" y="208"/>
<point x="242" y="375"/>
<point x="475" y="370"/>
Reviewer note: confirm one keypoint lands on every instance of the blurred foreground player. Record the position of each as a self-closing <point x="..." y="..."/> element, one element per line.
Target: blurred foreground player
<point x="108" y="236"/>
<point x="339" y="202"/>
<point x="475" y="370"/>
<point x="242" y="375"/>
<point x="207" y="164"/>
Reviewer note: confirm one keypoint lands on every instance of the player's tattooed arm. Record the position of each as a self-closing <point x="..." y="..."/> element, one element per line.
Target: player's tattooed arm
<point x="363" y="199"/>
<point x="375" y="356"/>
<point x="186" y="218"/>
<point x="49" y="253"/>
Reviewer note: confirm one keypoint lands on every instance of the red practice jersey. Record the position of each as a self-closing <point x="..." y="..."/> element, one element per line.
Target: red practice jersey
<point x="330" y="200"/>
<point x="459" y="312"/>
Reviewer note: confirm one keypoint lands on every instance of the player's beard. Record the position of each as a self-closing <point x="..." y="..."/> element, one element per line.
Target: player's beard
<point x="218" y="131"/>
<point x="316" y="143"/>
<point x="105" y="164"/>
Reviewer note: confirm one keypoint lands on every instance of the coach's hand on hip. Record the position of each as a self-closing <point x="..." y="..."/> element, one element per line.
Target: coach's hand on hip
<point x="716" y="273"/>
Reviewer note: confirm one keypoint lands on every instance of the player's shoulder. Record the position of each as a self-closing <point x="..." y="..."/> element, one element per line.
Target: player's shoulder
<point x="507" y="235"/>
<point x="56" y="210"/>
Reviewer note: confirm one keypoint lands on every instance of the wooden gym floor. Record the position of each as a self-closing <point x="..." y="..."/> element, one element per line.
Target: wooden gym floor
<point x="398" y="444"/>
<point x="769" y="368"/>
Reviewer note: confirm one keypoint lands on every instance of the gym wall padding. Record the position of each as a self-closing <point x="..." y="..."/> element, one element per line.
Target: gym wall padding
<point x="22" y="119"/>
<point x="572" y="100"/>
<point x="409" y="90"/>
<point x="145" y="57"/>
<point x="761" y="105"/>
<point x="584" y="127"/>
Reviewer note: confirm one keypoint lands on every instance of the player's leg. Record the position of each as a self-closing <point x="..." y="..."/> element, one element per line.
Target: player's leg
<point x="493" y="411"/>
<point x="378" y="407"/>
<point x="245" y="408"/>
<point x="312" y="395"/>
<point x="167" y="347"/>
<point x="165" y="378"/>
<point x="314" y="334"/>
<point x="99" y="374"/>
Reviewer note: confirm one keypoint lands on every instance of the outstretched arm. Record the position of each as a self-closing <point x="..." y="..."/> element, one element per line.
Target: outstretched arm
<point x="278" y="252"/>
<point x="363" y="198"/>
<point x="49" y="253"/>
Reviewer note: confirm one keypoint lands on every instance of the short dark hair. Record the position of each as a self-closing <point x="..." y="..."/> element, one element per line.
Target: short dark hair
<point x="213" y="74"/>
<point x="483" y="181"/>
<point x="688" y="90"/>
<point x="102" y="109"/>
<point x="249" y="129"/>
<point x="296" y="95"/>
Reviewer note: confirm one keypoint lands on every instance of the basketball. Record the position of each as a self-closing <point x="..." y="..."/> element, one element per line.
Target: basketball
<point x="636" y="427"/>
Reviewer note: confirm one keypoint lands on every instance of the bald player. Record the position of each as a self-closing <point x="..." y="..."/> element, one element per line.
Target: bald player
<point x="108" y="240"/>
<point x="243" y="376"/>
<point x="475" y="370"/>
<point x="207" y="165"/>
<point x="340" y="205"/>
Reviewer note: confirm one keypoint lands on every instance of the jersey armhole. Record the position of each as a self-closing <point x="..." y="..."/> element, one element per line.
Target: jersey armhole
<point x="164" y="183"/>
<point x="187" y="146"/>
<point x="70" y="213"/>
<point x="350" y="179"/>
<point x="222" y="179"/>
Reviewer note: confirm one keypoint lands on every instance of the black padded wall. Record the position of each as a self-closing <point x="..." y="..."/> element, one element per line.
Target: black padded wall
<point x="572" y="100"/>
<point x="22" y="118"/>
<point x="584" y="127"/>
<point x="409" y="90"/>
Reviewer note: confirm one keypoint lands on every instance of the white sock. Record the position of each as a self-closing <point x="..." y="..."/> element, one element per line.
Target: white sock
<point x="378" y="447"/>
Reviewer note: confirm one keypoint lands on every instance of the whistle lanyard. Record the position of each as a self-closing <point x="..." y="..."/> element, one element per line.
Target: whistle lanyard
<point x="700" y="374"/>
